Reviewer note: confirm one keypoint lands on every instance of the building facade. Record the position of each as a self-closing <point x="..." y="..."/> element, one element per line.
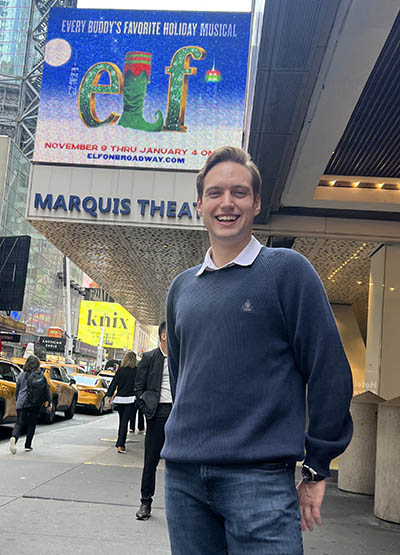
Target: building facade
<point x="23" y="26"/>
<point x="43" y="301"/>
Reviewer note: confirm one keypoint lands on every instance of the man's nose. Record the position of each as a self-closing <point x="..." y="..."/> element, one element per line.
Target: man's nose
<point x="227" y="199"/>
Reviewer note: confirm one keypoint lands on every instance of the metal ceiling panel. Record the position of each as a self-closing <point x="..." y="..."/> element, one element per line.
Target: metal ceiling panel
<point x="370" y="144"/>
<point x="293" y="42"/>
<point x="301" y="22"/>
<point x="281" y="101"/>
<point x="273" y="146"/>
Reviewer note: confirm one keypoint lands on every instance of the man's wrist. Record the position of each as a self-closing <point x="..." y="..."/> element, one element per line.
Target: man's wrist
<point x="310" y="475"/>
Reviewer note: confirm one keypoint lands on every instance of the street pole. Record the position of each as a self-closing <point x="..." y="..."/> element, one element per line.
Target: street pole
<point x="68" y="329"/>
<point x="99" y="358"/>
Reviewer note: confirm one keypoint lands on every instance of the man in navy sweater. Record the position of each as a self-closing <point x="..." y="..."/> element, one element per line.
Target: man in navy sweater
<point x="250" y="331"/>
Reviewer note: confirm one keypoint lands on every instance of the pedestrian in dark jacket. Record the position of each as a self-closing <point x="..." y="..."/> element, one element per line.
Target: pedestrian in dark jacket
<point x="140" y="418"/>
<point x="153" y="394"/>
<point x="123" y="383"/>
<point x="28" y="409"/>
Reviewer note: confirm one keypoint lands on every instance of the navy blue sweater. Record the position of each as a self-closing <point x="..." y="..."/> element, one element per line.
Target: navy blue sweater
<point x="243" y="344"/>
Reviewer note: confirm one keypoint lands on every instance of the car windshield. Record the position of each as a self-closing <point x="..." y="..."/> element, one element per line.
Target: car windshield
<point x="69" y="369"/>
<point x="86" y="380"/>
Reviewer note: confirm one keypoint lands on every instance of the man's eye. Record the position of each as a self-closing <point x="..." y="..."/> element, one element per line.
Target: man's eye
<point x="240" y="194"/>
<point x="213" y="194"/>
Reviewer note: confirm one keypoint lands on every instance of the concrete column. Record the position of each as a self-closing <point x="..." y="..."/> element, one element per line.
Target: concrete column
<point x="357" y="464"/>
<point x="382" y="374"/>
<point x="387" y="476"/>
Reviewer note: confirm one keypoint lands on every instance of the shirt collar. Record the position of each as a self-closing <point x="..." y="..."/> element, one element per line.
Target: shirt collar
<point x="245" y="258"/>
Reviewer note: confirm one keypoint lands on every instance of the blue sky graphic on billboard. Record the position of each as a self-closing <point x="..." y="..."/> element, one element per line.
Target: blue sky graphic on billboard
<point x="141" y="88"/>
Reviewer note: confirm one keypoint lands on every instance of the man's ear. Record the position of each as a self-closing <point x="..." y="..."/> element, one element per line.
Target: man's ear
<point x="257" y="203"/>
<point x="199" y="206"/>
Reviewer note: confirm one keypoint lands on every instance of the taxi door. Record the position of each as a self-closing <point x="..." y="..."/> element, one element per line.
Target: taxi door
<point x="61" y="387"/>
<point x="8" y="386"/>
<point x="69" y="390"/>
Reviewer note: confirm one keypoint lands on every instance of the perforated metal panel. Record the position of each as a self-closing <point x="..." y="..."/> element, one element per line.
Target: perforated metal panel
<point x="350" y="285"/>
<point x="136" y="265"/>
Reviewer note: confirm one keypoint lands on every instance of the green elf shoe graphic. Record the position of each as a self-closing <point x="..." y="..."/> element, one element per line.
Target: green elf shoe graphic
<point x="136" y="77"/>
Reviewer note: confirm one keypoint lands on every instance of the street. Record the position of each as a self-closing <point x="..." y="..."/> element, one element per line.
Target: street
<point x="75" y="494"/>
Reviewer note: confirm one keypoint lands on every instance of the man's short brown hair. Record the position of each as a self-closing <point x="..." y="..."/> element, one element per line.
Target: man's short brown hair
<point x="229" y="154"/>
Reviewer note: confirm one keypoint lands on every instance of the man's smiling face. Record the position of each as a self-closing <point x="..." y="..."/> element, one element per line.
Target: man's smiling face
<point x="228" y="206"/>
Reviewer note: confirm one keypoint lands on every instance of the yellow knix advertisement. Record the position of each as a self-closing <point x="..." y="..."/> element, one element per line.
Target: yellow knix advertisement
<point x="118" y="323"/>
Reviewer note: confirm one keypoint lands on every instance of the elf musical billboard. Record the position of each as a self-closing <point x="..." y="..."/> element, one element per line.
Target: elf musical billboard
<point x="147" y="89"/>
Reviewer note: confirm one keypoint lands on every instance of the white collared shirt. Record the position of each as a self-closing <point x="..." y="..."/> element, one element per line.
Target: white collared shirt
<point x="165" y="392"/>
<point x="246" y="257"/>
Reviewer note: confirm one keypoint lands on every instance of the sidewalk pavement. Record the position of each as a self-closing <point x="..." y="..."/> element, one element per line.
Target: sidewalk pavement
<point x="75" y="494"/>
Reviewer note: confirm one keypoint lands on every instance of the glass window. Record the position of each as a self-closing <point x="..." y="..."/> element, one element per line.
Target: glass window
<point x="55" y="374"/>
<point x="43" y="302"/>
<point x="6" y="372"/>
<point x="17" y="371"/>
<point x="14" y="22"/>
<point x="86" y="380"/>
<point x="64" y="375"/>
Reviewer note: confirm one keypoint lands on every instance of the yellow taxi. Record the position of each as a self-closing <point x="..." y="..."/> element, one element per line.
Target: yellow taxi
<point x="8" y="384"/>
<point x="107" y="375"/>
<point x="71" y="368"/>
<point x="63" y="391"/>
<point x="91" y="391"/>
<point x="18" y="361"/>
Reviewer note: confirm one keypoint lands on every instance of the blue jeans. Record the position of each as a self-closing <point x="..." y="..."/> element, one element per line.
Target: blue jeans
<point x="232" y="509"/>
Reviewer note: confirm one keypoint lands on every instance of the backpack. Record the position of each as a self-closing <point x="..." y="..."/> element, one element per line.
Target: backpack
<point x="37" y="389"/>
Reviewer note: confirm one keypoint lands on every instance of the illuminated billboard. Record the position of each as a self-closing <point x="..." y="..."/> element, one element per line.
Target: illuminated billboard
<point x="118" y="323"/>
<point x="151" y="89"/>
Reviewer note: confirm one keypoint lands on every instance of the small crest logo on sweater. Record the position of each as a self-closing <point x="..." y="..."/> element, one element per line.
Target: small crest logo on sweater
<point x="247" y="306"/>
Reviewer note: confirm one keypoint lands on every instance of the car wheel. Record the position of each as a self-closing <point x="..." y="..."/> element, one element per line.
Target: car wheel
<point x="50" y="414"/>
<point x="100" y="410"/>
<point x="71" y="411"/>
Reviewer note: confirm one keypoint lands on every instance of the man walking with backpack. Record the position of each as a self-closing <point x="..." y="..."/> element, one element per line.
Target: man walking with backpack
<point x="32" y="391"/>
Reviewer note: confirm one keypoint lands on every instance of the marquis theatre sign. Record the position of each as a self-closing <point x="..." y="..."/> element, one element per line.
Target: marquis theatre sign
<point x="147" y="89"/>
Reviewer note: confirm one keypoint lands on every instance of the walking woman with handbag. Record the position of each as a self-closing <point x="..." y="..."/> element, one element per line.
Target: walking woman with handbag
<point x="123" y="383"/>
<point x="31" y="392"/>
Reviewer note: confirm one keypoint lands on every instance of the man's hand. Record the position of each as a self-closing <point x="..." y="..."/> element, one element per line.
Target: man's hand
<point x="311" y="495"/>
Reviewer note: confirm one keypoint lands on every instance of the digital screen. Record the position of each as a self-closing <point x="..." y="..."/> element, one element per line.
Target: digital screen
<point x="118" y="324"/>
<point x="151" y="89"/>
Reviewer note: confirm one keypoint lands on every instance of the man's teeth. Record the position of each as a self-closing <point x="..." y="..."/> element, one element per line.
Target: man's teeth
<point x="227" y="218"/>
